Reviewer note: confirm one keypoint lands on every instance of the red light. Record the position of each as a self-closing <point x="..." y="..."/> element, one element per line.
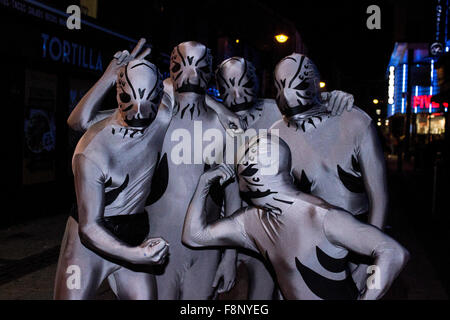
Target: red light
<point x="425" y="101"/>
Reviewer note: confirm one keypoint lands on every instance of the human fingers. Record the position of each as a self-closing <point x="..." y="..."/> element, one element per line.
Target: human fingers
<point x="144" y="53"/>
<point x="138" y="47"/>
<point x="125" y="54"/>
<point x="117" y="54"/>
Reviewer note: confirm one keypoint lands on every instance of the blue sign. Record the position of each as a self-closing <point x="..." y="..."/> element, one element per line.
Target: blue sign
<point x="71" y="53"/>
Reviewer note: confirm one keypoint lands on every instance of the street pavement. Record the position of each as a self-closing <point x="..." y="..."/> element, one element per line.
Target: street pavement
<point x="29" y="253"/>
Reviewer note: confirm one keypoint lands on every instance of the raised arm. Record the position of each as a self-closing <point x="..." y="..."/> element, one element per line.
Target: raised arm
<point x="86" y="112"/>
<point x="89" y="187"/>
<point x="343" y="230"/>
<point x="227" y="231"/>
<point x="373" y="168"/>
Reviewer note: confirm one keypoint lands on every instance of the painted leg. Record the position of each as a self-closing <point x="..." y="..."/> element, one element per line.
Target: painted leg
<point x="134" y="285"/>
<point x="80" y="271"/>
<point x="168" y="282"/>
<point x="261" y="285"/>
<point x="198" y="279"/>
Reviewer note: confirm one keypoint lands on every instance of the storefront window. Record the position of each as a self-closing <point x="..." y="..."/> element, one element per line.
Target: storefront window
<point x="434" y="123"/>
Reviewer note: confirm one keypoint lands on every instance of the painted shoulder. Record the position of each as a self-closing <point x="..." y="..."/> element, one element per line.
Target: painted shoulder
<point x="357" y="117"/>
<point x="278" y="125"/>
<point x="91" y="143"/>
<point x="268" y="102"/>
<point x="270" y="107"/>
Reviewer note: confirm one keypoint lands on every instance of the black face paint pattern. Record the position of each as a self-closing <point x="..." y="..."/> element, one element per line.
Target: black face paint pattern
<point x="147" y="93"/>
<point x="242" y="106"/>
<point x="177" y="70"/>
<point x="125" y="97"/>
<point x="297" y="94"/>
<point x="250" y="171"/>
<point x="140" y="122"/>
<point x="237" y="83"/>
<point x="189" y="87"/>
<point x="131" y="131"/>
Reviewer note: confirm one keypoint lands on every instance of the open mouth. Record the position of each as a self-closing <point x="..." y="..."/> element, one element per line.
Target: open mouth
<point x="138" y="122"/>
<point x="188" y="87"/>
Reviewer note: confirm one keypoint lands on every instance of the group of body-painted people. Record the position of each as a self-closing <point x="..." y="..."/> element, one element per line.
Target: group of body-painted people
<point x="143" y="218"/>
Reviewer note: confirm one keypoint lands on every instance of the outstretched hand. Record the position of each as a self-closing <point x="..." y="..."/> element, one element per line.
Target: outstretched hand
<point x="121" y="58"/>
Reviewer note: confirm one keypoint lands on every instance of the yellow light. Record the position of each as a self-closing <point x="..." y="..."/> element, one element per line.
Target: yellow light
<point x="322" y="84"/>
<point x="281" y="38"/>
<point x="375" y="101"/>
<point x="237" y="40"/>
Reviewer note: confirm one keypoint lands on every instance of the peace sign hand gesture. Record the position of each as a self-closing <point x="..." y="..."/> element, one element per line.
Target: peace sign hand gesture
<point x="121" y="58"/>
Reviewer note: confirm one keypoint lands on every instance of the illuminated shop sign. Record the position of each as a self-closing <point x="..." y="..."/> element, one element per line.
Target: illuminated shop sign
<point x="391" y="90"/>
<point x="64" y="51"/>
<point x="425" y="102"/>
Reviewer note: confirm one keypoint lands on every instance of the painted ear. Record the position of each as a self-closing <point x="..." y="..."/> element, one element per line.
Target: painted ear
<point x="160" y="180"/>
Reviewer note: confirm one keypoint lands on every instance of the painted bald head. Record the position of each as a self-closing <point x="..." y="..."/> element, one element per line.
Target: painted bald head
<point x="190" y="67"/>
<point x="264" y="170"/>
<point x="297" y="81"/>
<point x="139" y="91"/>
<point x="237" y="83"/>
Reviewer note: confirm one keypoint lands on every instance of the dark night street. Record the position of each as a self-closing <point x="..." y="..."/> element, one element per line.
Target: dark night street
<point x="62" y="78"/>
<point x="29" y="252"/>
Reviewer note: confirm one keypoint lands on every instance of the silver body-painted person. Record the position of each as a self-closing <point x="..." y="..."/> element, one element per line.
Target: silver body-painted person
<point x="238" y="87"/>
<point x="107" y="238"/>
<point x="190" y="273"/>
<point x="303" y="238"/>
<point x="338" y="159"/>
<point x="180" y="278"/>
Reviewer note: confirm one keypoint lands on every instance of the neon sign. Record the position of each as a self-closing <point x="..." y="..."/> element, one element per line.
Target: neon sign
<point x="425" y="102"/>
<point x="71" y="53"/>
